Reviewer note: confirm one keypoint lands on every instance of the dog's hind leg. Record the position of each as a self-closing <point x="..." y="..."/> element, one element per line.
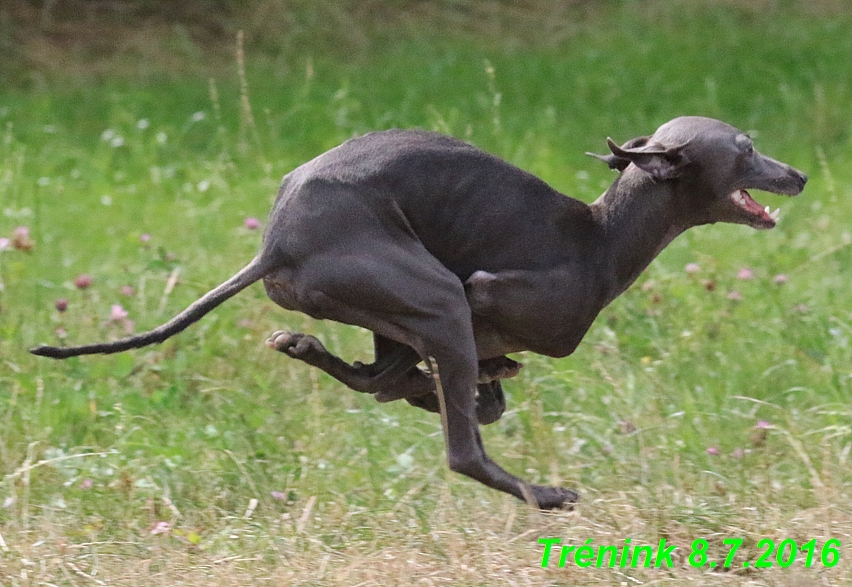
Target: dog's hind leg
<point x="394" y="374"/>
<point x="393" y="369"/>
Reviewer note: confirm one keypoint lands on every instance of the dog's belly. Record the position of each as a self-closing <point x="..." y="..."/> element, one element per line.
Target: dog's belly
<point x="493" y="341"/>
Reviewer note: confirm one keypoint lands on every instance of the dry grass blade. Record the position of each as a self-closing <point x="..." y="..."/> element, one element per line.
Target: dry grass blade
<point x="244" y="472"/>
<point x="171" y="282"/>
<point x="77" y="570"/>
<point x="252" y="505"/>
<point x="442" y="402"/>
<point x="306" y="515"/>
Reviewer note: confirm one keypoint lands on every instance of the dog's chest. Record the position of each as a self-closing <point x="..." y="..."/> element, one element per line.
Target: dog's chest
<point x="545" y="312"/>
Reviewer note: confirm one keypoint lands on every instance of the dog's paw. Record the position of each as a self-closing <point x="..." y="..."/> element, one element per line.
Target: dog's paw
<point x="295" y="344"/>
<point x="551" y="498"/>
<point x="490" y="402"/>
<point x="489" y="411"/>
<point x="497" y="368"/>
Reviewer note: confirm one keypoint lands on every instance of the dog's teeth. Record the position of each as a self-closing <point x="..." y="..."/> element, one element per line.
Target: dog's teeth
<point x="775" y="214"/>
<point x="766" y="209"/>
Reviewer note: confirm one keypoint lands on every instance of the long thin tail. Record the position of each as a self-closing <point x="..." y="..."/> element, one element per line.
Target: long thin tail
<point x="249" y="274"/>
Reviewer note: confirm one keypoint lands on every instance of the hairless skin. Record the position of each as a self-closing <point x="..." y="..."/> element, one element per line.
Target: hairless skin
<point x="450" y="254"/>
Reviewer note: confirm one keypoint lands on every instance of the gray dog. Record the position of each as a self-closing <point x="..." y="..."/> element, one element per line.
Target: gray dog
<point x="454" y="257"/>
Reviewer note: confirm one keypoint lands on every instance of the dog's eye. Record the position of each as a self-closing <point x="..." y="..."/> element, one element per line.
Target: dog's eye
<point x="745" y="144"/>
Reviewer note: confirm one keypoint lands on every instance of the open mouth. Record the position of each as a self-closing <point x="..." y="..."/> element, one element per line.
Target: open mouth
<point x="758" y="217"/>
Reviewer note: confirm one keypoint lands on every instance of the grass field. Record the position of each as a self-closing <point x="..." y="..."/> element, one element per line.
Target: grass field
<point x="710" y="401"/>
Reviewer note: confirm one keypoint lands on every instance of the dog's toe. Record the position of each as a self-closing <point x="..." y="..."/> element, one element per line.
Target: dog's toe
<point x="280" y="340"/>
<point x="296" y="345"/>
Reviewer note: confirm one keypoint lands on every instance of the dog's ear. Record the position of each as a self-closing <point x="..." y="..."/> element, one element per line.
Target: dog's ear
<point x="616" y="162"/>
<point x="659" y="161"/>
<point x="611" y="160"/>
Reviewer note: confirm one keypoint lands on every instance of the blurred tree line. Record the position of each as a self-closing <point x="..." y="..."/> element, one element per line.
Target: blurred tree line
<point x="51" y="36"/>
<point x="47" y="35"/>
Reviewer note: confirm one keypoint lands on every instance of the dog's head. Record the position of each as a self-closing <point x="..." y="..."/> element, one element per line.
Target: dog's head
<point x="711" y="165"/>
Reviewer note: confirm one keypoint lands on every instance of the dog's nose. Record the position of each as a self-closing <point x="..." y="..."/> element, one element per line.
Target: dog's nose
<point x="802" y="177"/>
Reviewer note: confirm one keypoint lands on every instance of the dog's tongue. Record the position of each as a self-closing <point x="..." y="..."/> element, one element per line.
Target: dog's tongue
<point x="744" y="200"/>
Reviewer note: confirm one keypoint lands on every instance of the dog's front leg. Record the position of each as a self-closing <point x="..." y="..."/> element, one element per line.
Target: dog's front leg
<point x="455" y="380"/>
<point x="490" y="402"/>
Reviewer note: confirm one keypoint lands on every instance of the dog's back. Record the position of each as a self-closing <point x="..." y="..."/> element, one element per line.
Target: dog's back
<point x="462" y="203"/>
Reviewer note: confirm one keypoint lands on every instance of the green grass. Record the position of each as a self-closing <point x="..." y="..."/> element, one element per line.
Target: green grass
<point x="190" y="431"/>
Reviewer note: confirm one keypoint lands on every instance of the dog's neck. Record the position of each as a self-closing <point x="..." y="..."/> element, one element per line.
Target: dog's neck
<point x="638" y="219"/>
